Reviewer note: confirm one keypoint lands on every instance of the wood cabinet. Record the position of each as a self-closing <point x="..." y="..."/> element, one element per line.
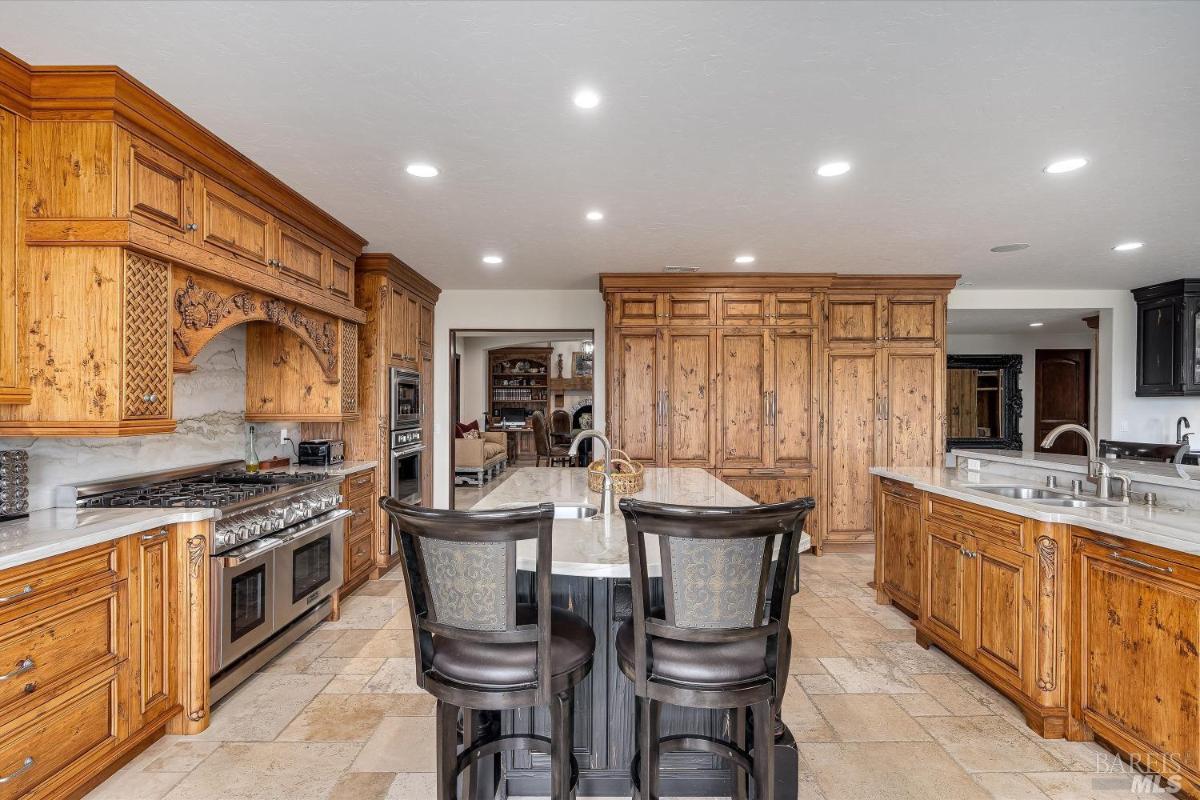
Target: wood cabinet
<point x="232" y="226"/>
<point x="14" y="374"/>
<point x="299" y="256"/>
<point x="1136" y="661"/>
<point x="404" y="319"/>
<point x="1168" y="339"/>
<point x="161" y="189"/>
<point x="898" y="546"/>
<point x="99" y="657"/>
<point x="341" y="276"/>
<point x="815" y="379"/>
<point x="360" y="551"/>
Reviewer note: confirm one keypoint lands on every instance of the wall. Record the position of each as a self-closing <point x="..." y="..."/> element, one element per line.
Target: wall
<point x="492" y="310"/>
<point x="209" y="405"/>
<point x="1120" y="414"/>
<point x="1025" y="345"/>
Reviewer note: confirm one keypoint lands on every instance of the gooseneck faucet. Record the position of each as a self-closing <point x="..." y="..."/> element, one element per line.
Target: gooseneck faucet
<point x="606" y="500"/>
<point x="1180" y="436"/>
<point x="1098" y="469"/>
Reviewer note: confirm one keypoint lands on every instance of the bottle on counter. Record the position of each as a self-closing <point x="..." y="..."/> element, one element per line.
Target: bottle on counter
<point x="251" y="454"/>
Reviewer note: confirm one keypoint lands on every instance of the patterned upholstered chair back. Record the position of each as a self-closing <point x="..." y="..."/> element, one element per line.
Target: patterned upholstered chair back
<point x="460" y="575"/>
<point x="726" y="573"/>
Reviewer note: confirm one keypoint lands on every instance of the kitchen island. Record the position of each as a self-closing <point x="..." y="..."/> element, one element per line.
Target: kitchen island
<point x="591" y="577"/>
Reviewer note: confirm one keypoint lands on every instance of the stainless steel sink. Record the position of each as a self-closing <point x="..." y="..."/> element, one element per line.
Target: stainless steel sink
<point x="1022" y="492"/>
<point x="561" y="510"/>
<point x="1077" y="502"/>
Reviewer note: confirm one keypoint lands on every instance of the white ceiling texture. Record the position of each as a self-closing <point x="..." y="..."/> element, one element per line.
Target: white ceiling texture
<point x="713" y="118"/>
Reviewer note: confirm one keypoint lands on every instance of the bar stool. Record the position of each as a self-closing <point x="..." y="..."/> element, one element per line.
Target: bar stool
<point x="720" y="639"/>
<point x="476" y="648"/>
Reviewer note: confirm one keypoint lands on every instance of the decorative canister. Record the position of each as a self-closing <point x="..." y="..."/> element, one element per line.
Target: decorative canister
<point x="14" y="484"/>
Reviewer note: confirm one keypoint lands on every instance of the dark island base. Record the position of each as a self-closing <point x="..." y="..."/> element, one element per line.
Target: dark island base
<point x="603" y="730"/>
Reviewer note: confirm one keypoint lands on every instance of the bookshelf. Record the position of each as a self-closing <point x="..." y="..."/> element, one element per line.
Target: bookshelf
<point x="518" y="377"/>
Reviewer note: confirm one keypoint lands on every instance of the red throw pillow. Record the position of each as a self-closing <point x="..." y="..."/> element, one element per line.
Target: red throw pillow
<point x="460" y="428"/>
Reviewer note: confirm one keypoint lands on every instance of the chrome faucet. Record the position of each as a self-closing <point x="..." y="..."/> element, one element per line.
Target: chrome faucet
<point x="606" y="500"/>
<point x="1098" y="468"/>
<point x="1180" y="436"/>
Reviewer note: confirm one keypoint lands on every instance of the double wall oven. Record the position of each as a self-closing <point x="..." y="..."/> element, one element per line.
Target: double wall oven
<point x="407" y="450"/>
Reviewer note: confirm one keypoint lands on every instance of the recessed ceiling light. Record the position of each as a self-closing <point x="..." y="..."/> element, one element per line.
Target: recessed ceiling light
<point x="747" y="259"/>
<point x="1010" y="248"/>
<point x="594" y="216"/>
<point x="587" y="98"/>
<point x="493" y="260"/>
<point x="1036" y="324"/>
<point x="833" y="169"/>
<point x="1065" y="165"/>
<point x="1126" y="246"/>
<point x="422" y="170"/>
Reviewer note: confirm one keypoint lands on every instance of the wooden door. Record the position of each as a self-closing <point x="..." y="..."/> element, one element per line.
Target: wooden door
<point x="299" y="256"/>
<point x="637" y="308"/>
<point x="146" y="340"/>
<point x="912" y="403"/>
<point x="1004" y="612"/>
<point x="912" y="319"/>
<point x="899" y="548"/>
<point x="1137" y="627"/>
<point x="853" y="319"/>
<point x="690" y="308"/>
<point x="161" y="190"/>
<point x="795" y="364"/>
<point x="744" y="363"/>
<point x="638" y="393"/>
<point x="852" y="387"/>
<point x="1061" y="395"/>
<point x="792" y="308"/>
<point x="425" y="329"/>
<point x="232" y="225"/>
<point x="947" y="585"/>
<point x="341" y="276"/>
<point x="690" y="379"/>
<point x="153" y="618"/>
<point x="743" y="308"/>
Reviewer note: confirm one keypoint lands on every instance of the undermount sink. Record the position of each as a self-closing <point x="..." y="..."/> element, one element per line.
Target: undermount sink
<point x="1046" y="497"/>
<point x="561" y="510"/>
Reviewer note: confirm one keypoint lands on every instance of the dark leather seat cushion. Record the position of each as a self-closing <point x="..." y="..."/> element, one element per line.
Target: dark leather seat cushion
<point x="703" y="664"/>
<point x="505" y="665"/>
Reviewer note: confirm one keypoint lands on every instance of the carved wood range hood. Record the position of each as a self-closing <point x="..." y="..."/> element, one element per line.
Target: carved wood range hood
<point x="130" y="237"/>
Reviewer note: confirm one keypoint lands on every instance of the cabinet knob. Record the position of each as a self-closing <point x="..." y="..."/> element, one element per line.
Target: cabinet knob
<point x="191" y="226"/>
<point x="150" y="397"/>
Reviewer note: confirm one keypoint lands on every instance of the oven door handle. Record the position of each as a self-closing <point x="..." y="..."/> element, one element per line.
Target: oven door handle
<point x="313" y="525"/>
<point x="401" y="452"/>
<point x="237" y="560"/>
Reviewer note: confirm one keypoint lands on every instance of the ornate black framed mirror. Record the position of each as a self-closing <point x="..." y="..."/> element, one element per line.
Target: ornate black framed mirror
<point x="983" y="402"/>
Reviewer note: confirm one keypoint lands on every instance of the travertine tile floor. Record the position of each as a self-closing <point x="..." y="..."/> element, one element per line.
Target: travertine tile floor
<point x="338" y="716"/>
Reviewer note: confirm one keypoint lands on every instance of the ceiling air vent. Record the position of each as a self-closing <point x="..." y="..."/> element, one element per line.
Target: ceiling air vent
<point x="673" y="268"/>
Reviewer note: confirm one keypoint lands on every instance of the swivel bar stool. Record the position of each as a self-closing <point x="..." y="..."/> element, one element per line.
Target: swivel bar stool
<point x="477" y="648"/>
<point x="720" y="640"/>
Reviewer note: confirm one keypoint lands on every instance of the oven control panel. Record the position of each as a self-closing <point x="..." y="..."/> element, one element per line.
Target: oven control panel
<point x="406" y="438"/>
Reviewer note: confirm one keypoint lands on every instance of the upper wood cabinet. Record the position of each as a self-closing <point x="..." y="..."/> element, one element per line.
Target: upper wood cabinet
<point x="1168" y="339"/>
<point x="793" y="308"/>
<point x="913" y="319"/>
<point x="913" y="418"/>
<point x="853" y="319"/>
<point x="403" y="327"/>
<point x="744" y="308"/>
<point x="14" y="374"/>
<point x="341" y="276"/>
<point x="637" y="308"/>
<point x="665" y="308"/>
<point x="299" y="256"/>
<point x="425" y="329"/>
<point x="233" y="226"/>
<point x="161" y="189"/>
<point x="795" y="356"/>
<point x="745" y="378"/>
<point x="690" y="308"/>
<point x="637" y="387"/>
<point x="689" y="383"/>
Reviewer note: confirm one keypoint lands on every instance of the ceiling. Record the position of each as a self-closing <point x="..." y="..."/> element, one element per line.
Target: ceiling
<point x="1016" y="321"/>
<point x="714" y="118"/>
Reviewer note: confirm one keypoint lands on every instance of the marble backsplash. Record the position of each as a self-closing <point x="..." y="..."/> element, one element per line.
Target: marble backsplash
<point x="209" y="406"/>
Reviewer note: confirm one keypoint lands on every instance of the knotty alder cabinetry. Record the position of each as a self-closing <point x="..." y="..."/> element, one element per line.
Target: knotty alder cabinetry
<point x="784" y="385"/>
<point x="105" y="650"/>
<point x="129" y="237"/>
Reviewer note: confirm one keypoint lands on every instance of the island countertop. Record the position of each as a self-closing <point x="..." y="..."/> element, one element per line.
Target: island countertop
<point x="596" y="547"/>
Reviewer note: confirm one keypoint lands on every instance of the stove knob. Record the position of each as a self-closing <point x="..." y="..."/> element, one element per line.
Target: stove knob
<point x="223" y="539"/>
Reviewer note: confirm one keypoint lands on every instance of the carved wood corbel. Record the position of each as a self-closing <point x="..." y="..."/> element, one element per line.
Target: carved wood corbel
<point x="204" y="306"/>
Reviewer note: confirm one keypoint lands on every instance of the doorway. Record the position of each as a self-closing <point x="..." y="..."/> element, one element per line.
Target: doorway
<point x="1062" y="391"/>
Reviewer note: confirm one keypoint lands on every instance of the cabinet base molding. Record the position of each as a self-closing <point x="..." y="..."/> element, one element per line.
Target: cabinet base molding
<point x="1047" y="722"/>
<point x="129" y="749"/>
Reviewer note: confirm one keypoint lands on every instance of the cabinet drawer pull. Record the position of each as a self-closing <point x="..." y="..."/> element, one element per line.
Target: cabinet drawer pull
<point x="191" y="226"/>
<point x="25" y="766"/>
<point x="1133" y="562"/>
<point x="23" y="666"/>
<point x="25" y="591"/>
<point x="149" y="537"/>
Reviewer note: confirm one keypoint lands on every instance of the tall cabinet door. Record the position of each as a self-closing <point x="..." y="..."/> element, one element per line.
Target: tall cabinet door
<point x="912" y="406"/>
<point x="745" y="369"/>
<point x="639" y="397"/>
<point x="690" y="377"/>
<point x="793" y="397"/>
<point x="852" y="430"/>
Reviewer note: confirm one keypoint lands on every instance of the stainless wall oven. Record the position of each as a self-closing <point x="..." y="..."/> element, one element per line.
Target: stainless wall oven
<point x="406" y="400"/>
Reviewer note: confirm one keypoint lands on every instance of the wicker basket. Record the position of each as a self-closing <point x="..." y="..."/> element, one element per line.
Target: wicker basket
<point x="630" y="481"/>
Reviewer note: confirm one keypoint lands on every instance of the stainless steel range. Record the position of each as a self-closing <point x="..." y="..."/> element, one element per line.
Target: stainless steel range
<point x="276" y="551"/>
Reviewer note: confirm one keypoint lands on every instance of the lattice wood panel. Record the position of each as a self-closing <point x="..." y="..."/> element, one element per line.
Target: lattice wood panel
<point x="147" y="338"/>
<point x="349" y="343"/>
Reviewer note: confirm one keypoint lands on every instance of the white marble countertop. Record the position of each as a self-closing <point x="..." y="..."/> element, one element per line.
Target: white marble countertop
<point x="54" y="531"/>
<point x="1173" y="528"/>
<point x="336" y="470"/>
<point x="1177" y="475"/>
<point x="596" y="547"/>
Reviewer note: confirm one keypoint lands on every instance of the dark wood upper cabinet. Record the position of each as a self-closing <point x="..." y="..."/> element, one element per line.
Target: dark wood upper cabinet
<point x="1168" y="338"/>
